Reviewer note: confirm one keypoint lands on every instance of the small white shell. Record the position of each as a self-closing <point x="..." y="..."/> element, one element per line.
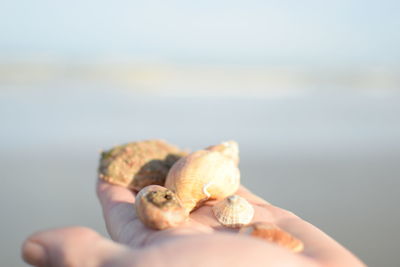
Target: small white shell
<point x="233" y="211"/>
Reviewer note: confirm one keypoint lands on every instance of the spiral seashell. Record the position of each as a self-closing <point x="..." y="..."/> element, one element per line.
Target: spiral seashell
<point x="138" y="164"/>
<point x="203" y="175"/>
<point x="274" y="234"/>
<point x="229" y="149"/>
<point x="233" y="211"/>
<point x="159" y="208"/>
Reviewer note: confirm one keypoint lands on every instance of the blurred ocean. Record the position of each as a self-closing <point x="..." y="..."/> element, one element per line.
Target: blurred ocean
<point x="330" y="156"/>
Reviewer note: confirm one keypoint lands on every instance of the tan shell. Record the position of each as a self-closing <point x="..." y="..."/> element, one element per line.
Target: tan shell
<point x="229" y="149"/>
<point x="203" y="175"/>
<point x="274" y="234"/>
<point x="233" y="211"/>
<point x="159" y="208"/>
<point x="138" y="164"/>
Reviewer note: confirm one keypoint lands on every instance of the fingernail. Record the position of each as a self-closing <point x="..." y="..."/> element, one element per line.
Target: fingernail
<point x="34" y="254"/>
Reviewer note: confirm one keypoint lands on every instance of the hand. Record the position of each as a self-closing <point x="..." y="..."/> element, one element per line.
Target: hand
<point x="202" y="241"/>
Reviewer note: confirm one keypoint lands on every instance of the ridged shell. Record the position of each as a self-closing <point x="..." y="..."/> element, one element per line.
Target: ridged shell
<point x="138" y="164"/>
<point x="233" y="211"/>
<point x="159" y="208"/>
<point x="229" y="149"/>
<point x="203" y="175"/>
<point x="274" y="234"/>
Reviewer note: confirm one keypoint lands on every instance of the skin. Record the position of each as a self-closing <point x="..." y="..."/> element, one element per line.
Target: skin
<point x="201" y="241"/>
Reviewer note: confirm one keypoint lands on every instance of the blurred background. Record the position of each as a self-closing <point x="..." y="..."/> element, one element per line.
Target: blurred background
<point x="309" y="89"/>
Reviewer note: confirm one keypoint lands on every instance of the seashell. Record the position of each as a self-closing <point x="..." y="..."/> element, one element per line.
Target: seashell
<point x="159" y="208"/>
<point x="203" y="175"/>
<point x="229" y="149"/>
<point x="233" y="211"/>
<point x="138" y="164"/>
<point x="274" y="234"/>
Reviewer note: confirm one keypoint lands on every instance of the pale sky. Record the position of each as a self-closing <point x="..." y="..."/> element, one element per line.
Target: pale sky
<point x="355" y="32"/>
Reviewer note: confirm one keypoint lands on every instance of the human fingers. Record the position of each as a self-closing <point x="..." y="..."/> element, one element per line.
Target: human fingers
<point x="125" y="227"/>
<point x="119" y="214"/>
<point x="317" y="244"/>
<point x="225" y="250"/>
<point x="73" y="246"/>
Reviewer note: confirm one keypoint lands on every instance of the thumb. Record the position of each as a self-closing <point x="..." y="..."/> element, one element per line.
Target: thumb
<point x="73" y="246"/>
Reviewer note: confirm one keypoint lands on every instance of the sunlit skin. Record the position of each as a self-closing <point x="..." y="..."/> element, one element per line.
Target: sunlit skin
<point x="201" y="241"/>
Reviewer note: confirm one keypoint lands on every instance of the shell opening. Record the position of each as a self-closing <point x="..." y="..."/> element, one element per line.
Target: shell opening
<point x="161" y="198"/>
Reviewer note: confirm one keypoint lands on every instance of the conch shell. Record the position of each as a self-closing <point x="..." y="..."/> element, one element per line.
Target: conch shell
<point x="203" y="175"/>
<point x="138" y="164"/>
<point x="233" y="211"/>
<point x="229" y="149"/>
<point x="274" y="234"/>
<point x="159" y="208"/>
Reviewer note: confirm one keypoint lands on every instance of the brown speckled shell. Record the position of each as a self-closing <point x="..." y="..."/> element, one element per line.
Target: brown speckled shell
<point x="159" y="208"/>
<point x="138" y="164"/>
<point x="274" y="234"/>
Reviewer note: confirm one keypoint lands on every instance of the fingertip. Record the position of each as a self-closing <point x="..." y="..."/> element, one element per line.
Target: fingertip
<point x="34" y="253"/>
<point x="70" y="246"/>
<point x="101" y="186"/>
<point x="110" y="195"/>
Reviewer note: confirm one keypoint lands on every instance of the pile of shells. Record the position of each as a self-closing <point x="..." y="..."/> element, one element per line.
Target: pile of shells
<point x="173" y="183"/>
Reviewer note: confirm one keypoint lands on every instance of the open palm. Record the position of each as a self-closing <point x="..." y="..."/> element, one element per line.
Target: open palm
<point x="201" y="241"/>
